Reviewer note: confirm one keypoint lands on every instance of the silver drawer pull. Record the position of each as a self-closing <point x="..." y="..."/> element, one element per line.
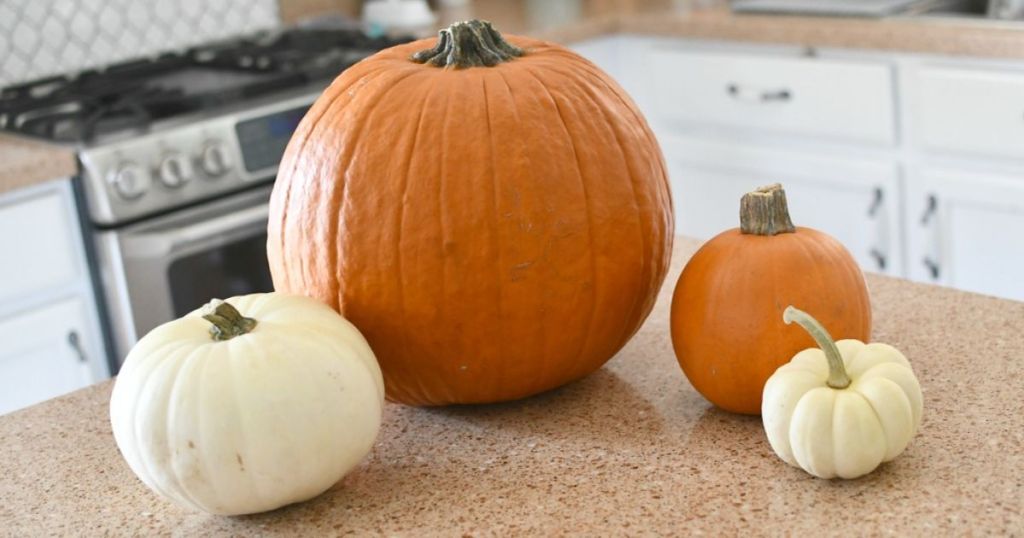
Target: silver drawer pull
<point x="929" y="220"/>
<point x="758" y="96"/>
<point x="76" y="343"/>
<point x="879" y="250"/>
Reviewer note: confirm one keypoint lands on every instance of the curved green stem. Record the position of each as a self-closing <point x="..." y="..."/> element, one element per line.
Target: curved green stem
<point x="227" y="321"/>
<point x="464" y="44"/>
<point x="837" y="376"/>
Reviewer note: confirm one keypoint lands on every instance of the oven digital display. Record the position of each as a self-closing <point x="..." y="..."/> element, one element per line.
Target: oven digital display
<point x="263" y="139"/>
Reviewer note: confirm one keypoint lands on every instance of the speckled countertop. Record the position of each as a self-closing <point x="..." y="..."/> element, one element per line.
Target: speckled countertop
<point x="25" y="162"/>
<point x="956" y="36"/>
<point x="630" y="450"/>
<point x="950" y="37"/>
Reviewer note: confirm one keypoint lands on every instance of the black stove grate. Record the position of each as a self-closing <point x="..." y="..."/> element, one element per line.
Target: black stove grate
<point x="130" y="96"/>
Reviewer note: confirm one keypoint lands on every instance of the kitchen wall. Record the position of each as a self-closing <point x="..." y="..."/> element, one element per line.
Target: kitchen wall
<point x="39" y="38"/>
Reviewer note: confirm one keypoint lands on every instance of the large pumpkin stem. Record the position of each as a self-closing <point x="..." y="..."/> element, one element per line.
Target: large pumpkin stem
<point x="227" y="321"/>
<point x="837" y="376"/>
<point x="464" y="44"/>
<point x="765" y="212"/>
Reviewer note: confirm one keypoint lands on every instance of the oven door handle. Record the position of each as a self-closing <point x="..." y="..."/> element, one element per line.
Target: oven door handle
<point x="218" y="230"/>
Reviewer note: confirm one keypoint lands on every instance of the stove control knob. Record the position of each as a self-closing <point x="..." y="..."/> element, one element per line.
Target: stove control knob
<point x="129" y="180"/>
<point x="215" y="160"/>
<point x="174" y="170"/>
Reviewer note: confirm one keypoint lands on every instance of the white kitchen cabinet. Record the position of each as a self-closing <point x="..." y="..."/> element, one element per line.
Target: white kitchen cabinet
<point x="969" y="111"/>
<point x="604" y="52"/>
<point x="50" y="338"/>
<point x="811" y="97"/>
<point x="855" y="200"/>
<point x="44" y="353"/>
<point x="965" y="230"/>
<point x="38" y="241"/>
<point x="914" y="162"/>
<point x="626" y="59"/>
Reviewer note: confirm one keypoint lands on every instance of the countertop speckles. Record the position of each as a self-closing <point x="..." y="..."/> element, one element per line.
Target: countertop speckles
<point x="25" y="162"/>
<point x="631" y="449"/>
<point x="950" y="36"/>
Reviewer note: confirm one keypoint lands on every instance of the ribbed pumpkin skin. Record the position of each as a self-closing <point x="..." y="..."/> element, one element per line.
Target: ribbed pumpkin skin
<point x="494" y="232"/>
<point x="726" y="316"/>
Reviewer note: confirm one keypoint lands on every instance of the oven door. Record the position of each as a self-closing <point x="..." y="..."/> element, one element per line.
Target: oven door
<point x="174" y="264"/>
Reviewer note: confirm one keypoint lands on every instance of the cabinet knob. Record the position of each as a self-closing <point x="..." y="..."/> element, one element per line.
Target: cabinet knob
<point x="76" y="344"/>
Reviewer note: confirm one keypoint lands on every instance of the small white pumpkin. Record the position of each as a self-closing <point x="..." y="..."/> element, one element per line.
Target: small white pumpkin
<point x="843" y="409"/>
<point x="235" y="415"/>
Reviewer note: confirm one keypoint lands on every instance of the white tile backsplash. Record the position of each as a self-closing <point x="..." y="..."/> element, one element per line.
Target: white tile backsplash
<point x="39" y="38"/>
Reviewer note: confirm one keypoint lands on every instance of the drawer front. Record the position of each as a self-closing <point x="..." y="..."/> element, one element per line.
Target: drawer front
<point x="848" y="101"/>
<point x="37" y="239"/>
<point x="971" y="111"/>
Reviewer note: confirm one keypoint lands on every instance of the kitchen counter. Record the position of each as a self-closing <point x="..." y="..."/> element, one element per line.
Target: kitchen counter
<point x="631" y="449"/>
<point x="569" y="22"/>
<point x="945" y="36"/>
<point x="25" y="162"/>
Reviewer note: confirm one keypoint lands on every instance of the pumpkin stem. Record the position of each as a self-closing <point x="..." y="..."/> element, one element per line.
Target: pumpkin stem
<point x="464" y="44"/>
<point x="227" y="321"/>
<point x="765" y="212"/>
<point x="837" y="376"/>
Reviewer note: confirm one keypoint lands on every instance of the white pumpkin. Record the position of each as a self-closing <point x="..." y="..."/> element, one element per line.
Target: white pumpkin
<point x="843" y="409"/>
<point x="235" y="415"/>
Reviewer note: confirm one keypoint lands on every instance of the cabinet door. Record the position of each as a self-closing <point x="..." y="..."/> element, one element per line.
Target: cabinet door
<point x="44" y="354"/>
<point x="854" y="200"/>
<point x="964" y="230"/>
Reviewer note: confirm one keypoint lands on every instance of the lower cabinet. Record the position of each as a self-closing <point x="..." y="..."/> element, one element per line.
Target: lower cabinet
<point x="44" y="353"/>
<point x="965" y="230"/>
<point x="854" y="200"/>
<point x="869" y="146"/>
<point x="50" y="338"/>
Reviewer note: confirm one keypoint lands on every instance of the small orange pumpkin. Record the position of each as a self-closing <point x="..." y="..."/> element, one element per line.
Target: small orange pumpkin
<point x="493" y="215"/>
<point x="726" y="316"/>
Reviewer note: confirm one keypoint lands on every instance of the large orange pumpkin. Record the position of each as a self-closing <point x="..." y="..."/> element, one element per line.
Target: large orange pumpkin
<point x="726" y="316"/>
<point x="494" y="216"/>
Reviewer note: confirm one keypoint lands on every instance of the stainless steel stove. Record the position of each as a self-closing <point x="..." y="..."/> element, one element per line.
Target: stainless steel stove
<point x="178" y="155"/>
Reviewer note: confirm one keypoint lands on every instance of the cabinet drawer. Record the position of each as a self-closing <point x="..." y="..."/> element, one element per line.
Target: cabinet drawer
<point x="851" y="101"/>
<point x="38" y="242"/>
<point x="971" y="111"/>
